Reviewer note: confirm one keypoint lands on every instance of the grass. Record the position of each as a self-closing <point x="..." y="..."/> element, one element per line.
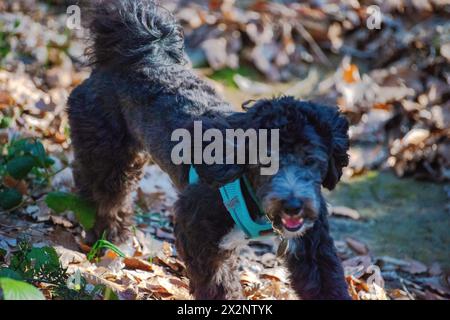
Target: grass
<point x="226" y="76"/>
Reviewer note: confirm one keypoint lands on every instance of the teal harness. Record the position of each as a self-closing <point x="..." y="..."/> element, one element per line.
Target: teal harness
<point x="234" y="201"/>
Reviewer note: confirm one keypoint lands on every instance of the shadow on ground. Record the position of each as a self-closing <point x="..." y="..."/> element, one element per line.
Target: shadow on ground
<point x="404" y="218"/>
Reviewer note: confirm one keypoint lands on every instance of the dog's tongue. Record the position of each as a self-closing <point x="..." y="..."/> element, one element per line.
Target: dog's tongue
<point x="292" y="222"/>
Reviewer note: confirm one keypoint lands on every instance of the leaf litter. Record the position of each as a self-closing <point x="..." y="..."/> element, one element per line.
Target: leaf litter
<point x="394" y="89"/>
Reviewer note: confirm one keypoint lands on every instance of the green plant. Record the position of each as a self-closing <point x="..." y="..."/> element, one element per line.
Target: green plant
<point x="41" y="265"/>
<point x="19" y="159"/>
<point x="26" y="159"/>
<point x="103" y="244"/>
<point x="5" y="47"/>
<point x="63" y="201"/>
<point x="226" y="75"/>
<point x="11" y="289"/>
<point x="5" y="122"/>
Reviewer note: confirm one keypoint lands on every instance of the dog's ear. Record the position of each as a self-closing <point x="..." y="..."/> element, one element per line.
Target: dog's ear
<point x="339" y="144"/>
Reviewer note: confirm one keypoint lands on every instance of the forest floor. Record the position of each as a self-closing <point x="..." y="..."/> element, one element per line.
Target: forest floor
<point x="389" y="215"/>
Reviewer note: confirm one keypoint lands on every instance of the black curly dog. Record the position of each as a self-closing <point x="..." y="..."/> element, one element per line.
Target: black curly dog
<point x="139" y="92"/>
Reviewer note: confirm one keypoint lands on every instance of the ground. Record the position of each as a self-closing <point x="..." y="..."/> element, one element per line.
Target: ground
<point x="389" y="215"/>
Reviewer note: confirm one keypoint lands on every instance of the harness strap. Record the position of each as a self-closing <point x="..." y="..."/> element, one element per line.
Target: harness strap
<point x="234" y="201"/>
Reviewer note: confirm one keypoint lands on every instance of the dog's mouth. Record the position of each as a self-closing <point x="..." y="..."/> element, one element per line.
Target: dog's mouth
<point x="292" y="222"/>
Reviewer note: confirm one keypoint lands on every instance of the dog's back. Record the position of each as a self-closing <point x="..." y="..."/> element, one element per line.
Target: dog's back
<point x="138" y="93"/>
<point x="140" y="89"/>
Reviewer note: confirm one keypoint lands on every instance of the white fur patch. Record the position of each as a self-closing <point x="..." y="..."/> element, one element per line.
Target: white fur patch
<point x="227" y="274"/>
<point x="234" y="240"/>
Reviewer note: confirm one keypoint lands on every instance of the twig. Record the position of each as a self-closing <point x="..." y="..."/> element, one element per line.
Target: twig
<point x="406" y="289"/>
<point x="314" y="46"/>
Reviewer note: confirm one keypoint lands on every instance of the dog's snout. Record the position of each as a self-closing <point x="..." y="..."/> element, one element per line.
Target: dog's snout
<point x="293" y="207"/>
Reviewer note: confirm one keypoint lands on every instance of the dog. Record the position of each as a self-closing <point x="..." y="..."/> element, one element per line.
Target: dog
<point x="139" y="92"/>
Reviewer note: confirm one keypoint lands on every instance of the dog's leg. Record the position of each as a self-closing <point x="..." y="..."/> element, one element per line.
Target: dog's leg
<point x="202" y="230"/>
<point x="213" y="276"/>
<point x="109" y="186"/>
<point x="107" y="160"/>
<point x="316" y="271"/>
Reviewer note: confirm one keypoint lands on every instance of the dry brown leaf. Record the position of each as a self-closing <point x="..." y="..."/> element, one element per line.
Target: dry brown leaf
<point x="6" y="100"/>
<point x="351" y="73"/>
<point x="109" y="254"/>
<point x="179" y="283"/>
<point x="19" y="185"/>
<point x="357" y="266"/>
<point x="162" y="287"/>
<point x="357" y="246"/>
<point x="135" y="263"/>
<point x="248" y="277"/>
<point x="414" y="267"/>
<point x="84" y="247"/>
<point x="416" y="136"/>
<point x="445" y="51"/>
<point x="435" y="269"/>
<point x="275" y="274"/>
<point x="60" y="220"/>
<point x="345" y="212"/>
<point x="398" y="294"/>
<point x="172" y="263"/>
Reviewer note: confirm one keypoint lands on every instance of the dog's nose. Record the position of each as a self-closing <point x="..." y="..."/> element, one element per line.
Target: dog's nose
<point x="293" y="207"/>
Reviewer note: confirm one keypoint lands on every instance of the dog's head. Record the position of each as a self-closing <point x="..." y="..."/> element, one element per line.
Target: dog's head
<point x="313" y="144"/>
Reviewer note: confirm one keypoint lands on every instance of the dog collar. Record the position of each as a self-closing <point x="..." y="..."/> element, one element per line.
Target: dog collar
<point x="234" y="201"/>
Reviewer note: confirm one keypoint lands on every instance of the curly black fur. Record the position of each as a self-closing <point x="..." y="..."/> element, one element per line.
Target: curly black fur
<point x="139" y="92"/>
<point x="293" y="117"/>
<point x="130" y="34"/>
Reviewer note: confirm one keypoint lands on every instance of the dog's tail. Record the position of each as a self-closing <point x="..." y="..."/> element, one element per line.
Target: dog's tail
<point x="126" y="33"/>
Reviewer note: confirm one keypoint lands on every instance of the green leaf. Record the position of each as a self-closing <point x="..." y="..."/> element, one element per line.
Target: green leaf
<point x="103" y="244"/>
<point x="45" y="256"/>
<point x="10" y="198"/>
<point x="5" y="47"/>
<point x="19" y="147"/>
<point x="5" y="122"/>
<point x="49" y="162"/>
<point x="19" y="167"/>
<point x="85" y="213"/>
<point x="38" y="151"/>
<point x="62" y="201"/>
<point x="110" y="294"/>
<point x="19" y="290"/>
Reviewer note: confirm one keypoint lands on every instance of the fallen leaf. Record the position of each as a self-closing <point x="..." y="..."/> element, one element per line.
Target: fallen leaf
<point x="135" y="263"/>
<point x="351" y="73"/>
<point x="357" y="246"/>
<point x="60" y="220"/>
<point x="445" y="51"/>
<point x="414" y="267"/>
<point x="416" y="136"/>
<point x="84" y="247"/>
<point x="248" y="277"/>
<point x="277" y="274"/>
<point x="6" y="99"/>
<point x="19" y="185"/>
<point x="345" y="212"/>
